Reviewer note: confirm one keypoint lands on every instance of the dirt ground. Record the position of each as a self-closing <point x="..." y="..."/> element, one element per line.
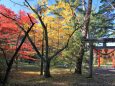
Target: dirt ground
<point x="62" y="77"/>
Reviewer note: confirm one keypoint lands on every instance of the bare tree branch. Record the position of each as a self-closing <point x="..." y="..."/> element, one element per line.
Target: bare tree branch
<point x="30" y="18"/>
<point x="16" y="3"/>
<point x="38" y="15"/>
<point x="44" y="27"/>
<point x="28" y="5"/>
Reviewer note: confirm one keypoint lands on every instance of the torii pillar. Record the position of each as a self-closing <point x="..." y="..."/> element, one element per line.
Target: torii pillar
<point x="113" y="59"/>
<point x="91" y="61"/>
<point x="98" y="58"/>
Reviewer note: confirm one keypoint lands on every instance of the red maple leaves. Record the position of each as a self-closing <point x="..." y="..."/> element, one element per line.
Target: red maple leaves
<point x="10" y="35"/>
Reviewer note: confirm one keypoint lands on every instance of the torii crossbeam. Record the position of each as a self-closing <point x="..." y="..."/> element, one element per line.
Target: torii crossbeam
<point x="100" y="40"/>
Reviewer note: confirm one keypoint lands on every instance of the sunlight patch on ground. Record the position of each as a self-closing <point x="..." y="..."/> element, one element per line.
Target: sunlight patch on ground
<point x="59" y="71"/>
<point x="30" y="72"/>
<point x="60" y="84"/>
<point x="42" y="81"/>
<point x="112" y="70"/>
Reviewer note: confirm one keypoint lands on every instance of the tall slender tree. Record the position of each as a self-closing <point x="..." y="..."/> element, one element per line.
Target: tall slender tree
<point x="84" y="31"/>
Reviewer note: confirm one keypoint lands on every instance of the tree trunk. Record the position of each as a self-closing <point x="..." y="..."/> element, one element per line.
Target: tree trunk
<point x="78" y="69"/>
<point x="84" y="31"/>
<point x="47" y="69"/>
<point x="42" y="62"/>
<point x="42" y="67"/>
<point x="6" y="75"/>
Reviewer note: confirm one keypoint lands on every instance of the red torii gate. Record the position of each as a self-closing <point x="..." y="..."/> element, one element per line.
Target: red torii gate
<point x="92" y="47"/>
<point x="105" y="52"/>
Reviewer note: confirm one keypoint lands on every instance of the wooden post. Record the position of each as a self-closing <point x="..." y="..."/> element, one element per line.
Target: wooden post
<point x="98" y="58"/>
<point x="91" y="61"/>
